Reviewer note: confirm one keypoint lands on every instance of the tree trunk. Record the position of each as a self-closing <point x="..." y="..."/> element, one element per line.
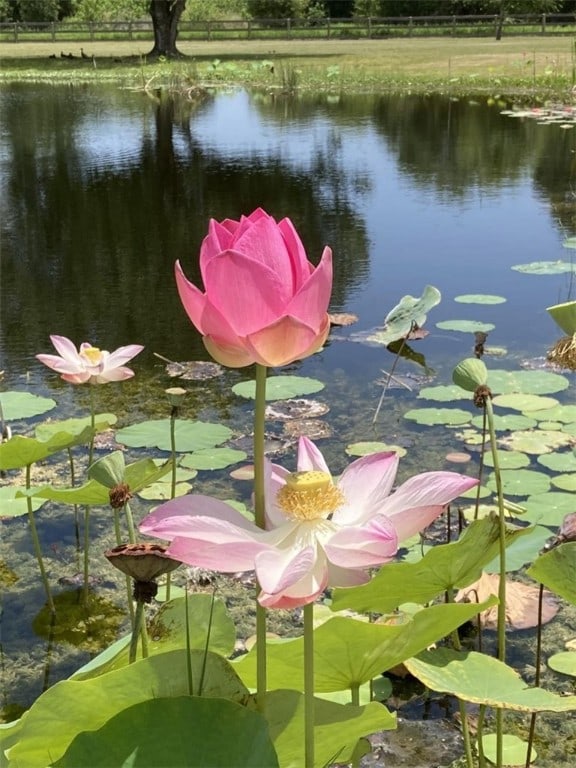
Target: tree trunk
<point x="165" y="17"/>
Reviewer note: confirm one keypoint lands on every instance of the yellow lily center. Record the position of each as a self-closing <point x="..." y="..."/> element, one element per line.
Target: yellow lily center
<point x="92" y="354"/>
<point x="309" y="496"/>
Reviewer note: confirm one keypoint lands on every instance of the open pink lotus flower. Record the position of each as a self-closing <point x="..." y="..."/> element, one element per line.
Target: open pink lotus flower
<point x="319" y="532"/>
<point x="89" y="364"/>
<point x="264" y="301"/>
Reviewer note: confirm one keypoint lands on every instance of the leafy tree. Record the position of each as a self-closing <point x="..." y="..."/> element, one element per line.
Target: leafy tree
<point x="276" y="9"/>
<point x="35" y="10"/>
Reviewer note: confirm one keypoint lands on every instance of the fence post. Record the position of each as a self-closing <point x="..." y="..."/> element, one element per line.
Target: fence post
<point x="130" y="30"/>
<point x="369" y="27"/>
<point x="15" y="32"/>
<point x="53" y="31"/>
<point x="543" y="24"/>
<point x="328" y="30"/>
<point x="208" y="30"/>
<point x="453" y="25"/>
<point x="410" y="25"/>
<point x="249" y="28"/>
<point x="289" y="27"/>
<point x="91" y="30"/>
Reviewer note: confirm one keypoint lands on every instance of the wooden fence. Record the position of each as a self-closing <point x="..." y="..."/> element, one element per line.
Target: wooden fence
<point x="286" y="29"/>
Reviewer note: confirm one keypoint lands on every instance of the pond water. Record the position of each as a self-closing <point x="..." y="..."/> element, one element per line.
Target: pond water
<point x="102" y="189"/>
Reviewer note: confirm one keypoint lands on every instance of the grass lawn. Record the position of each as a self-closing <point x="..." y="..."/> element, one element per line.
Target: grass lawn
<point x="536" y="65"/>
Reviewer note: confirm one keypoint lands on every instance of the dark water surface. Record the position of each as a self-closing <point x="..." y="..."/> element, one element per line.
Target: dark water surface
<point x="102" y="189"/>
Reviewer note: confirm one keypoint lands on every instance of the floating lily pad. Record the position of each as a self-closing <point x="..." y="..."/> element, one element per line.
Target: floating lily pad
<point x="493" y="351"/>
<point x="312" y="428"/>
<point x="534" y="382"/>
<point x="189" y="435"/>
<point x="563" y="413"/>
<point x="286" y="410"/>
<point x="47" y="430"/>
<point x="522" y="551"/>
<point x="550" y="426"/>
<point x="465" y="326"/>
<point x="569" y="429"/>
<point x="513" y="749"/>
<point x="431" y="416"/>
<point x="565" y="482"/>
<point x="507" y="459"/>
<point x="194" y="370"/>
<point x="563" y="662"/>
<point x="10" y="506"/>
<point x="548" y="509"/>
<point x="544" y="267"/>
<point x="24" y="405"/>
<point x="444" y="393"/>
<point x="520" y="401"/>
<point x="479" y="298"/>
<point x="280" y="387"/>
<point x="163" y="491"/>
<point x="506" y="423"/>
<point x="521" y="482"/>
<point x="473" y="437"/>
<point x="558" y="462"/>
<point x="535" y="441"/>
<point x="212" y="458"/>
<point x="367" y="448"/>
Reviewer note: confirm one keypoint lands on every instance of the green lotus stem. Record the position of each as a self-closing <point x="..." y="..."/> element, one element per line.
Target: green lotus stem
<point x="36" y="545"/>
<point x="538" y="661"/>
<point x="76" y="525"/>
<point x="173" y="415"/>
<point x="136" y="631"/>
<point x="86" y="554"/>
<point x="355" y="694"/>
<point x="118" y="534"/>
<point x="92" y="425"/>
<point x="260" y="520"/>
<point x="461" y="705"/>
<point x="309" y="685"/>
<point x="130" y="523"/>
<point x="479" y="742"/>
<point x="143" y="635"/>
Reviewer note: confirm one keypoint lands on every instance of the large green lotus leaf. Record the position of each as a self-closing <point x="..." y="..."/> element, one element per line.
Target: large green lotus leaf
<point x="432" y="416"/>
<point x="280" y="387"/>
<point x="212" y="458"/>
<point x="182" y="732"/>
<point x="509" y="422"/>
<point x="409" y="312"/>
<point x="91" y="493"/>
<point x="465" y="326"/>
<point x="9" y="733"/>
<point x="528" y="382"/>
<point x="563" y="413"/>
<point x="548" y="509"/>
<point x="141" y="473"/>
<point x="102" y="421"/>
<point x="10" y="506"/>
<point x="479" y="298"/>
<point x="521" y="482"/>
<point x="481" y="679"/>
<point x="564" y="315"/>
<point x="188" y="435"/>
<point x="22" y="451"/>
<point x="48" y="728"/>
<point x="348" y="652"/>
<point x="535" y="441"/>
<point x="544" y="267"/>
<point x="565" y="482"/>
<point x="24" y="405"/>
<point x="555" y="569"/>
<point x="564" y="662"/>
<point x="558" y="462"/>
<point x="444" y="393"/>
<point x="513" y="749"/>
<point x="337" y="727"/>
<point x="168" y="633"/>
<point x="442" y="568"/>
<point x="522" y="551"/>
<point x="507" y="459"/>
<point x="367" y="448"/>
<point x="520" y="401"/>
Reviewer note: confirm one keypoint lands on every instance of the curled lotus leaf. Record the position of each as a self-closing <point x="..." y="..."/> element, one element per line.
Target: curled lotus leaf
<point x="535" y="441"/>
<point x="409" y="312"/>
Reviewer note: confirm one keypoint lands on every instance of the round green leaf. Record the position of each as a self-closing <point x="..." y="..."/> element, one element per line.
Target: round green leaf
<point x="513" y="749"/>
<point x="444" y="393"/>
<point x="409" y="312"/>
<point x="10" y="506"/>
<point x="527" y="382"/>
<point x="563" y="413"/>
<point x="466" y="326"/>
<point x="366" y="448"/>
<point x="280" y="387"/>
<point x="24" y="405"/>
<point x="189" y="435"/>
<point x="520" y="401"/>
<point x="536" y="441"/>
<point x="548" y="509"/>
<point x="479" y="298"/>
<point x="521" y="482"/>
<point x="565" y="482"/>
<point x="48" y="429"/>
<point x="564" y="662"/>
<point x="212" y="458"/>
<point x="507" y="459"/>
<point x="544" y="267"/>
<point x="163" y="491"/>
<point x="558" y="462"/>
<point x="506" y="423"/>
<point x="522" y="551"/>
<point x="431" y="416"/>
<point x="555" y="569"/>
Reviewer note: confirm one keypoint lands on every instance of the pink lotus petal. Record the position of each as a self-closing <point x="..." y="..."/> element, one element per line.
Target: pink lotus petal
<point x="310" y="457"/>
<point x="115" y="374"/>
<point x="193" y="300"/>
<point x="312" y="299"/>
<point x="263" y="242"/>
<point x="122" y="355"/>
<point x="227" y="354"/>
<point x="278" y="569"/>
<point x="366" y="484"/>
<point x="192" y="505"/>
<point x="59" y="364"/>
<point x="364" y="546"/>
<point x="301" y="267"/>
<point x="346" y="577"/>
<point x="302" y="592"/>
<point x="282" y="342"/>
<point x="227" y="557"/>
<point x="66" y="348"/>
<point x="76" y="378"/>
<point x="274" y="479"/>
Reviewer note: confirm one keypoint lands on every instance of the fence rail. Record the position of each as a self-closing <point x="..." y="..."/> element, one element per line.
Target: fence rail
<point x="286" y="29"/>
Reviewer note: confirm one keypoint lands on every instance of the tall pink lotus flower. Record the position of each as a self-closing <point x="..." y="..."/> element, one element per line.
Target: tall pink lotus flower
<point x="264" y="302"/>
<point x="319" y="532"/>
<point x="88" y="363"/>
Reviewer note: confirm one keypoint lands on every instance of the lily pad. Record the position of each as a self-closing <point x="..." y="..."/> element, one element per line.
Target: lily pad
<point x="47" y="430"/>
<point x="544" y="267"/>
<point x="520" y="401"/>
<point x="548" y="509"/>
<point x="367" y="448"/>
<point x="521" y="482"/>
<point x="563" y="413"/>
<point x="444" y="393"/>
<point x="558" y="462"/>
<point x="555" y="569"/>
<point x="10" y="506"/>
<point x="513" y="749"/>
<point x="534" y="382"/>
<point x="24" y="405"/>
<point x="189" y="435"/>
<point x="563" y="662"/>
<point x="212" y="458"/>
<point x="465" y="326"/>
<point x="409" y="312"/>
<point x="286" y="410"/>
<point x="523" y="551"/>
<point x="280" y="387"/>
<point x="509" y="422"/>
<point x="479" y="298"/>
<point x="163" y="491"/>
<point x="536" y="441"/>
<point x="507" y="459"/>
<point x="565" y="482"/>
<point x="432" y="416"/>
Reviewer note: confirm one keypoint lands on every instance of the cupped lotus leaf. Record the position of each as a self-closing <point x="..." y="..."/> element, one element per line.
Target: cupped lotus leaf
<point x="519" y="401"/>
<point x="558" y="462"/>
<point x="363" y="650"/>
<point x="563" y="413"/>
<point x="544" y="267"/>
<point x="367" y="448"/>
<point x="47" y="729"/>
<point x="548" y="509"/>
<point x="443" y="393"/>
<point x="555" y="569"/>
<point x="109" y="470"/>
<point x="20" y="451"/>
<point x="520" y="482"/>
<point x="13" y="506"/>
<point x="442" y="568"/>
<point x="410" y="312"/>
<point x="563" y="662"/>
<point x="337" y="727"/>
<point x="507" y="459"/>
<point x="280" y="387"/>
<point x="479" y="298"/>
<point x="565" y="482"/>
<point x="564" y="315"/>
<point x="465" y="326"/>
<point x="532" y="382"/>
<point x="513" y="749"/>
<point x="522" y="551"/>
<point x="189" y="435"/>
<point x="535" y="441"/>
<point x="508" y="422"/>
<point x="163" y="491"/>
<point x="212" y="458"/>
<point x="202" y="733"/>
<point x="481" y="679"/>
<point x="432" y="416"/>
<point x="470" y="374"/>
<point x="48" y="429"/>
<point x="24" y="405"/>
